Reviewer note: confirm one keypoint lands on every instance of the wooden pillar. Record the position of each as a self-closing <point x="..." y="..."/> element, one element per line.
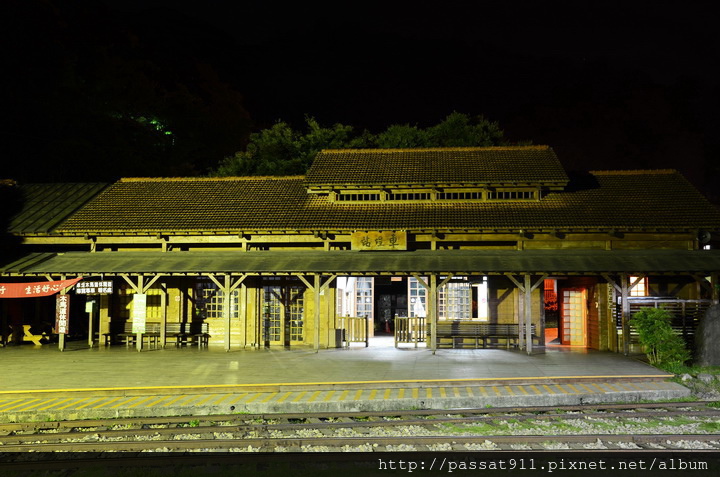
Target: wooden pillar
<point x="317" y="287"/>
<point x="528" y="314"/>
<point x="163" y="313"/>
<point x="316" y="290"/>
<point x="227" y="308"/>
<point x="140" y="289"/>
<point x="625" y="317"/>
<point x="243" y="313"/>
<point x="433" y="312"/>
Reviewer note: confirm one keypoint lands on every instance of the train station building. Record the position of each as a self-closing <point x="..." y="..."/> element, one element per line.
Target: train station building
<point x="437" y="247"/>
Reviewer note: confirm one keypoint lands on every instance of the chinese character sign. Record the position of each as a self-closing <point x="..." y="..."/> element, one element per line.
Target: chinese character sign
<point x="104" y="287"/>
<point x="139" y="313"/>
<point x="380" y="240"/>
<point x="62" y="314"/>
<point x="34" y="289"/>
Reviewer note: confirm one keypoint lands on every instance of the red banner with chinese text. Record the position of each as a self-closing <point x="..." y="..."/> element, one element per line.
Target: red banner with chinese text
<point x="34" y="289"/>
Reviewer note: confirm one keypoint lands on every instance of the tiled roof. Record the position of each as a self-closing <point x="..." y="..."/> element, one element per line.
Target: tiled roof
<point x="44" y="206"/>
<point x="435" y="261"/>
<point x="466" y="165"/>
<point x="649" y="199"/>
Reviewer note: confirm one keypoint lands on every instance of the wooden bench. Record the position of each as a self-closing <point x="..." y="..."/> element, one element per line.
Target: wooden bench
<point x="126" y="335"/>
<point x="460" y="331"/>
<point x="181" y="333"/>
<point x="188" y="333"/>
<point x="200" y="333"/>
<point x="178" y="332"/>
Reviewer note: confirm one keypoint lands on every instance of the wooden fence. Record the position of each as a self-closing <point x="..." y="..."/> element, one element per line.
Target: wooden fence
<point x="354" y="330"/>
<point x="410" y="330"/>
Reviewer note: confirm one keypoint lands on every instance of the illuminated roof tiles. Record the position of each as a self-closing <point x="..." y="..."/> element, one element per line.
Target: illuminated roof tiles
<point x="523" y="165"/>
<point x="43" y="206"/>
<point x="632" y="200"/>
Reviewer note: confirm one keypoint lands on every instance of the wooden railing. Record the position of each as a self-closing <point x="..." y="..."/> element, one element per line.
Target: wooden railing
<point x="686" y="315"/>
<point x="409" y="330"/>
<point x="354" y="329"/>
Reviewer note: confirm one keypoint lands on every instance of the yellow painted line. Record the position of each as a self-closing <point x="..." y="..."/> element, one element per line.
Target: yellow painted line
<point x="173" y="401"/>
<point x="124" y="402"/>
<point x="599" y="388"/>
<point x="299" y="396"/>
<point x="239" y="398"/>
<point x="636" y="386"/>
<point x="612" y="388"/>
<point x="586" y="388"/>
<point x="329" y="395"/>
<point x="469" y="391"/>
<point x="89" y="403"/>
<point x="71" y="403"/>
<point x="401" y="393"/>
<point x="314" y="396"/>
<point x="535" y="389"/>
<point x="13" y="402"/>
<point x="343" y="395"/>
<point x="141" y="401"/>
<point x="205" y="400"/>
<point x="484" y="392"/>
<point x="623" y="386"/>
<point x="285" y="396"/>
<point x="443" y="394"/>
<point x="562" y="389"/>
<point x="54" y="404"/>
<point x="523" y="390"/>
<point x="255" y="385"/>
<point x="428" y="392"/>
<point x="572" y="388"/>
<point x="548" y="389"/>
<point x="106" y="403"/>
<point x="272" y="395"/>
<point x="222" y="398"/>
<point x="373" y="393"/>
<point x="155" y="403"/>
<point x="255" y="397"/>
<point x="387" y="394"/>
<point x="509" y="389"/>
<point x="358" y="394"/>
<point x="456" y="392"/>
<point x="495" y="390"/>
<point x="38" y="404"/>
<point x="415" y="393"/>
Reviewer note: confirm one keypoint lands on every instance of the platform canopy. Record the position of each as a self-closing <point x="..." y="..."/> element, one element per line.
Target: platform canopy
<point x="469" y="262"/>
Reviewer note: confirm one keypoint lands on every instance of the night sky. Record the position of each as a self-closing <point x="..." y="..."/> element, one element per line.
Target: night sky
<point x="629" y="84"/>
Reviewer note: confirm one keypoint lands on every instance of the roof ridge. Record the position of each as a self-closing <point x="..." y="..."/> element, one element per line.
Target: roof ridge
<point x="440" y="149"/>
<point x="633" y="172"/>
<point x="206" y="179"/>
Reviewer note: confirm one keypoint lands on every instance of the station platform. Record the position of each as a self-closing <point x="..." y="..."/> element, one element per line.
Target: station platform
<point x="43" y="383"/>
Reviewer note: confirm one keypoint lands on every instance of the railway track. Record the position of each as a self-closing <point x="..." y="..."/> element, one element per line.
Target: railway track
<point x="613" y="427"/>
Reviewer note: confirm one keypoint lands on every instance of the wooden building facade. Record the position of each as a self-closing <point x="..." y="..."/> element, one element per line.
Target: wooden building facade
<point x="449" y="235"/>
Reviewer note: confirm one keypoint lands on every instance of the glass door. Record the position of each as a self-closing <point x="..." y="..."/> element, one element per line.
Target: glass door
<point x="573" y="316"/>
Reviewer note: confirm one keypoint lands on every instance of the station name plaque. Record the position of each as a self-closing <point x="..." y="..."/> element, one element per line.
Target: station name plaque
<point x="379" y="240"/>
<point x="104" y="287"/>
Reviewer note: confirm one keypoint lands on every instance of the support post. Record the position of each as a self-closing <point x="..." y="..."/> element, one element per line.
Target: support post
<point x="163" y="313"/>
<point x="138" y="336"/>
<point x="624" y="294"/>
<point x="227" y="302"/>
<point x="91" y="316"/>
<point x="528" y="314"/>
<point x="316" y="290"/>
<point x="432" y="312"/>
